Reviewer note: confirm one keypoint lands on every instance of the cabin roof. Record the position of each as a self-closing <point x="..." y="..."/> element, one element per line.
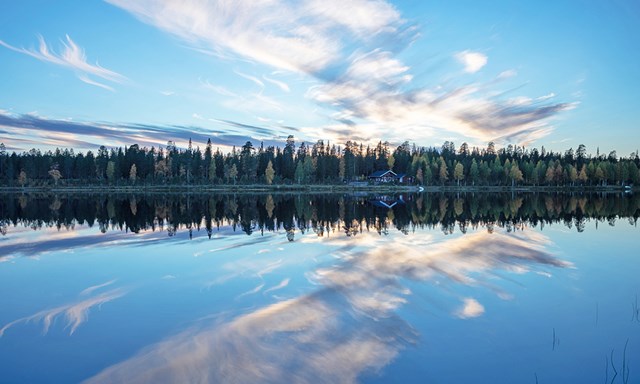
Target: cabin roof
<point x="384" y="173"/>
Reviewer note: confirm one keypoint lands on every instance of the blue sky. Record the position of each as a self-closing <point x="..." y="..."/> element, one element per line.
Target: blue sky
<point x="116" y="72"/>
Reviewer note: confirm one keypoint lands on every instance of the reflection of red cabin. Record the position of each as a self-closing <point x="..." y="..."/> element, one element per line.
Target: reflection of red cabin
<point x="389" y="176"/>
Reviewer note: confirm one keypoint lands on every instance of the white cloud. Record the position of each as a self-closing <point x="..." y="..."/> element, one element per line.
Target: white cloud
<point x="380" y="67"/>
<point x="73" y="57"/>
<point x="302" y="37"/>
<point x="472" y="61"/>
<point x="349" y="49"/>
<point x="547" y="97"/>
<point x="377" y="106"/>
<point x="363" y="17"/>
<point x="305" y="37"/>
<point x="470" y="308"/>
<point x="520" y="100"/>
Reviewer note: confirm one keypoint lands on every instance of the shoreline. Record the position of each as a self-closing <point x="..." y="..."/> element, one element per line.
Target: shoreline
<point x="311" y="188"/>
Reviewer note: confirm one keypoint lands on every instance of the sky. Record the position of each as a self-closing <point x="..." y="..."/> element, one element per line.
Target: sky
<point x="81" y="74"/>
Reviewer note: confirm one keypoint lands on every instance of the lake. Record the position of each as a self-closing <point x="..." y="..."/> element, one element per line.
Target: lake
<point x="282" y="288"/>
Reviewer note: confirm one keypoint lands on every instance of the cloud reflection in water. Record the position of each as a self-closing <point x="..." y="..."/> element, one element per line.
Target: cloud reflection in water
<point x="470" y="308"/>
<point x="75" y="313"/>
<point x="347" y="327"/>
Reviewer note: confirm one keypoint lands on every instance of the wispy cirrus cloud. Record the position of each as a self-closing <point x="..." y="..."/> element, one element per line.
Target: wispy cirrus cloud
<point x="73" y="57"/>
<point x="303" y="36"/>
<point x="220" y="90"/>
<point x="253" y="79"/>
<point x="280" y="84"/>
<point x="351" y="52"/>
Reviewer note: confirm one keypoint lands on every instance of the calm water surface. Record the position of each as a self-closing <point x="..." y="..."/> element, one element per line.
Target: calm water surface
<point x="331" y="288"/>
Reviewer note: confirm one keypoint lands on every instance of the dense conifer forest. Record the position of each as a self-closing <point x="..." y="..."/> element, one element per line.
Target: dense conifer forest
<point x="319" y="163"/>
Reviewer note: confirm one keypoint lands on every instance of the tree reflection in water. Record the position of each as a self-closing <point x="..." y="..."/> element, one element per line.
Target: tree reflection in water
<point x="252" y="213"/>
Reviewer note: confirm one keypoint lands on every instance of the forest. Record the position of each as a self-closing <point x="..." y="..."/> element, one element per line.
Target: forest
<point x="319" y="163"/>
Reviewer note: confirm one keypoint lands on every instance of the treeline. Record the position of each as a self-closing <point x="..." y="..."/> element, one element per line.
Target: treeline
<point x="327" y="213"/>
<point x="319" y="163"/>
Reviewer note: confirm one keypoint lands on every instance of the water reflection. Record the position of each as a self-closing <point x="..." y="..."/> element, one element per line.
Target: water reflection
<point x="55" y="240"/>
<point x="346" y="327"/>
<point x="322" y="214"/>
<point x="328" y="288"/>
<point x="75" y="313"/>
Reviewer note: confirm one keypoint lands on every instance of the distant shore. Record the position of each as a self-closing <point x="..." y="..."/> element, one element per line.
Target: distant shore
<point x="310" y="188"/>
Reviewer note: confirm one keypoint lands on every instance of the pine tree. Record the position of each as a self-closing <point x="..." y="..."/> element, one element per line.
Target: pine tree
<point x="111" y="171"/>
<point x="299" y="173"/>
<point x="428" y="176"/>
<point x="212" y="169"/>
<point x="308" y="169"/>
<point x="474" y="172"/>
<point x="231" y="173"/>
